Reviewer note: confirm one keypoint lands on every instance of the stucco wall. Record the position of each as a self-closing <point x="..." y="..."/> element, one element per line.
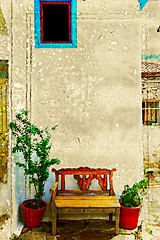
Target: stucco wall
<point x="93" y="92"/>
<point x="151" y="147"/>
<point x="150" y="36"/>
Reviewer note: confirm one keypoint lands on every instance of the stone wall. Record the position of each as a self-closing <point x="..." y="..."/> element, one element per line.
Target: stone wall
<point x="151" y="88"/>
<point x="151" y="139"/>
<point x="150" y="47"/>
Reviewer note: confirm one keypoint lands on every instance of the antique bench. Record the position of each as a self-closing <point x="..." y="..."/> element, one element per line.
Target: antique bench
<point x="84" y="200"/>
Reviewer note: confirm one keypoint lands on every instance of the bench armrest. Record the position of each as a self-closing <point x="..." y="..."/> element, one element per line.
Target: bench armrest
<point x="54" y="189"/>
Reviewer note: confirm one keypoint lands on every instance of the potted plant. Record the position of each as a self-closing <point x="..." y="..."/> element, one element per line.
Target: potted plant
<point x="130" y="201"/>
<point x="29" y="140"/>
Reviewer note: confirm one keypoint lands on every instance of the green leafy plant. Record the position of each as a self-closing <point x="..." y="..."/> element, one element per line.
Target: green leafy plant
<point x="29" y="140"/>
<point x="150" y="232"/>
<point x="133" y="196"/>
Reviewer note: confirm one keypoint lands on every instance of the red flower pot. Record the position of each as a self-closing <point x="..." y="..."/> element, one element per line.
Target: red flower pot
<point x="129" y="217"/>
<point x="33" y="217"/>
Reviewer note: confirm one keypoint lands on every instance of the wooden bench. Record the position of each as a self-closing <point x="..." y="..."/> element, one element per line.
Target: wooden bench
<point x="84" y="200"/>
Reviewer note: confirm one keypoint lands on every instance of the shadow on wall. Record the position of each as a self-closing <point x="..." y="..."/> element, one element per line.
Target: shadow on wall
<point x="20" y="218"/>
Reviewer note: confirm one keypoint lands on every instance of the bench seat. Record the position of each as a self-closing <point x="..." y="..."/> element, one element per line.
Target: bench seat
<point x="85" y="200"/>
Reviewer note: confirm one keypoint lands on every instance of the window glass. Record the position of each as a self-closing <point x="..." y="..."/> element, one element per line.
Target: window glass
<point x="152" y="104"/>
<point x="143" y="104"/>
<point x="55" y="22"/>
<point x="150" y="113"/>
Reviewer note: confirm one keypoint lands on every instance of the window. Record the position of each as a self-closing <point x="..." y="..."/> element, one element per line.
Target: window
<point x="150" y="112"/>
<point x="55" y="24"/>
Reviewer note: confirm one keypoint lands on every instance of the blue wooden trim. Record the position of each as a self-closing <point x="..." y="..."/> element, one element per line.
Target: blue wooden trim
<point x="142" y="3"/>
<point x="37" y="26"/>
<point x="53" y="1"/>
<point x="150" y="56"/>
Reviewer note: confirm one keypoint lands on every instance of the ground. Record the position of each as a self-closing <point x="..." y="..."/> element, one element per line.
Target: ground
<point x="78" y="230"/>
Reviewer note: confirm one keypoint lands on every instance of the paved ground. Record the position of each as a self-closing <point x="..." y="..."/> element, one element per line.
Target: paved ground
<point x="77" y="230"/>
<point x="151" y="226"/>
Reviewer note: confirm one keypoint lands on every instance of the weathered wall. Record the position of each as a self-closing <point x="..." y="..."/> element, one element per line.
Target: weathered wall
<point x="4" y="37"/>
<point x="93" y="92"/>
<point x="151" y="147"/>
<point x="150" y="19"/>
<point x="151" y="88"/>
<point x="150" y="47"/>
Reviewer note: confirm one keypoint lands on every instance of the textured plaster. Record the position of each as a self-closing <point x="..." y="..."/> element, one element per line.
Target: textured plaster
<point x="92" y="92"/>
<point x="4" y="38"/>
<point x="92" y="87"/>
<point x="150" y="36"/>
<point x="5" y="204"/>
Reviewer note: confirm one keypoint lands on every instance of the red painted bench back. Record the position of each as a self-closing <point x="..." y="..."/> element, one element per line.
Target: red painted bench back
<point x="84" y="175"/>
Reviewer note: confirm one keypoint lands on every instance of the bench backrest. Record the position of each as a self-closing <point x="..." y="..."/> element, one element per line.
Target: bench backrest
<point x="84" y="175"/>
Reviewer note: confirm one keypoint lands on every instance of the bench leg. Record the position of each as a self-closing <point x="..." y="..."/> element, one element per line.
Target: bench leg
<point x="117" y="221"/>
<point x="53" y="218"/>
<point x="110" y="217"/>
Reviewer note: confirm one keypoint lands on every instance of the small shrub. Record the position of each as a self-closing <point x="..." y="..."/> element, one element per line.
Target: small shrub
<point x="133" y="196"/>
<point x="29" y="139"/>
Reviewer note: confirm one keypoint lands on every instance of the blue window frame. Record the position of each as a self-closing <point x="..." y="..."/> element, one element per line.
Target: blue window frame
<point x="55" y="23"/>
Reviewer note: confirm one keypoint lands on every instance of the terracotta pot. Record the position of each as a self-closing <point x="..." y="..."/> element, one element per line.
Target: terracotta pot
<point x="129" y="217"/>
<point x="33" y="217"/>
